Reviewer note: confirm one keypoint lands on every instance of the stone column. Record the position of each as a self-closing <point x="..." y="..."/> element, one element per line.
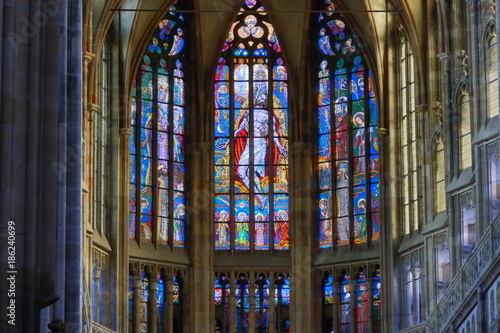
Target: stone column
<point x="232" y="309"/>
<point x="251" y="315"/>
<point x="352" y="304"/>
<point x="301" y="241"/>
<point x="169" y="307"/>
<point x="152" y="305"/>
<point x="272" y="307"/>
<point x="336" y="302"/>
<point x="201" y="282"/>
<point x="136" y="321"/>
<point x="121" y="231"/>
<point x="369" y="304"/>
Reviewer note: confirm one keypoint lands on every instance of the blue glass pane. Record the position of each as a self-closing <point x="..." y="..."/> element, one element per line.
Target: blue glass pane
<point x="222" y="95"/>
<point x="325" y="175"/>
<point x="280" y="95"/>
<point x="179" y="233"/>
<point x="242" y="207"/>
<point x="222" y="208"/>
<point x="261" y="207"/>
<point x="324" y="119"/>
<point x="179" y="205"/>
<point x="281" y="207"/>
<point x="325" y="204"/>
<point x="221" y="123"/>
<point x="162" y="117"/>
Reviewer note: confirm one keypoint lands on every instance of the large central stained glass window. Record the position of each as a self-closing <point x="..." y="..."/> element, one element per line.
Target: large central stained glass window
<point x="251" y="130"/>
<point x="157" y="168"/>
<point x="348" y="141"/>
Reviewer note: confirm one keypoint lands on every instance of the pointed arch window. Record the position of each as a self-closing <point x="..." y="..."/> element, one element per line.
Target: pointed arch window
<point x="492" y="72"/>
<point x="465" y="137"/>
<point x="439" y="176"/>
<point x="251" y="131"/>
<point x="348" y="141"/>
<point x="101" y="144"/>
<point x="408" y="130"/>
<point x="157" y="169"/>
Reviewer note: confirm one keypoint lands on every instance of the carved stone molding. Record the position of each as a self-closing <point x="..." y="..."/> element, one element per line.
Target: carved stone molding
<point x="438" y="113"/>
<point x="125" y="132"/>
<point x="92" y="109"/>
<point x="463" y="61"/>
<point x="382" y="132"/>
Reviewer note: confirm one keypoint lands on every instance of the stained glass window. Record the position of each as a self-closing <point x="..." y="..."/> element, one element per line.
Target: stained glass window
<point x="362" y="304"/>
<point x="262" y="302"/>
<point x="130" y="300"/>
<point x="377" y="303"/>
<point x="177" y="289"/>
<point x="143" y="303"/>
<point x="348" y="141"/>
<point x="345" y="308"/>
<point x="283" y="290"/>
<point x="242" y="304"/>
<point x="157" y="164"/>
<point x="251" y="130"/>
<point x="160" y="302"/>
<point x="328" y="291"/>
<point x="233" y="301"/>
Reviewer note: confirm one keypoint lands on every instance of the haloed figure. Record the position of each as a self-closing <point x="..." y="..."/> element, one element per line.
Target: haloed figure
<point x="260" y="148"/>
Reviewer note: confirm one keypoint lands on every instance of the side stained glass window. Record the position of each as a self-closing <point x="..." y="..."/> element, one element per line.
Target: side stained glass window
<point x="157" y="166"/>
<point x="251" y="137"/>
<point x="345" y="307"/>
<point x="347" y="137"/>
<point x="143" y="304"/>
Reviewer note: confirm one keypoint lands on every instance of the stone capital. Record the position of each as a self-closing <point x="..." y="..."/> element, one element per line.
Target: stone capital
<point x="88" y="57"/>
<point x="382" y="132"/>
<point x="125" y="132"/>
<point x="421" y="108"/>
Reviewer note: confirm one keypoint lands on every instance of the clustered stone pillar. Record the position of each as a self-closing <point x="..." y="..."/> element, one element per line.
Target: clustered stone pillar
<point x="352" y="304"/>
<point x="169" y="306"/>
<point x="153" y="305"/>
<point x="232" y="307"/>
<point x="335" y="307"/>
<point x="251" y="315"/>
<point x="272" y="308"/>
<point x="369" y="303"/>
<point x="136" y="321"/>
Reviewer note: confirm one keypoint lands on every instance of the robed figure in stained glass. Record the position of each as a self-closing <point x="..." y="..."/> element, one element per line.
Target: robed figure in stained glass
<point x="260" y="148"/>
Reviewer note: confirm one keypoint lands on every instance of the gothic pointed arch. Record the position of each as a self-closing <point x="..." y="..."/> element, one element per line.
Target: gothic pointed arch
<point x="157" y="161"/>
<point x="348" y="168"/>
<point x="251" y="136"/>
